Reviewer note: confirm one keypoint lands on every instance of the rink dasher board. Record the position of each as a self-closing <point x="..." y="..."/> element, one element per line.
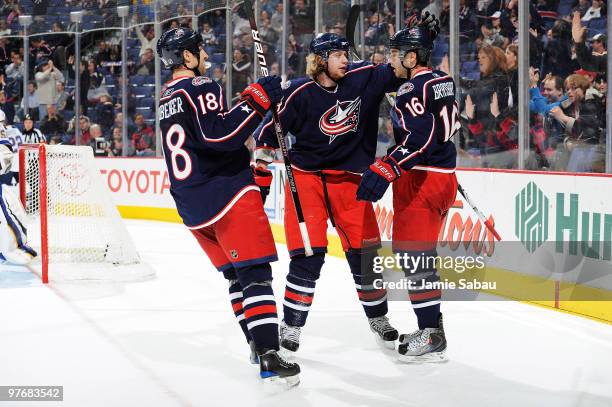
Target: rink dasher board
<point x="530" y="209"/>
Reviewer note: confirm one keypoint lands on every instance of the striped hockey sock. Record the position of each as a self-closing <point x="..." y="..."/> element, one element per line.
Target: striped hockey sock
<point x="260" y="314"/>
<point x="235" y="293"/>
<point x="299" y="294"/>
<point x="373" y="300"/>
<point x="426" y="303"/>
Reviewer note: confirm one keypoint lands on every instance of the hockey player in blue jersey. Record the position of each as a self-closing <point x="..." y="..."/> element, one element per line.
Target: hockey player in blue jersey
<point x="421" y="166"/>
<point x="14" y="247"/>
<point x="333" y="114"/>
<point x="214" y="190"/>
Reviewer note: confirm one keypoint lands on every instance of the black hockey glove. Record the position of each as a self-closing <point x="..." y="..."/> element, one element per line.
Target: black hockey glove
<point x="431" y="23"/>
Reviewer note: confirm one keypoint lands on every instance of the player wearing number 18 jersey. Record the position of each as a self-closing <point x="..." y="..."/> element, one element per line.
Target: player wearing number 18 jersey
<point x="214" y="190"/>
<point x="422" y="168"/>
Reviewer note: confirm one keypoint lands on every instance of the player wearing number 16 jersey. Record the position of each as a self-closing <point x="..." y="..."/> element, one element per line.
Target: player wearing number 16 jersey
<point x="422" y="168"/>
<point x="214" y="190"/>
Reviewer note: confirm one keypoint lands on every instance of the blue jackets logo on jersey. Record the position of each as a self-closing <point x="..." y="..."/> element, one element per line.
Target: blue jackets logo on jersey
<point x="340" y="119"/>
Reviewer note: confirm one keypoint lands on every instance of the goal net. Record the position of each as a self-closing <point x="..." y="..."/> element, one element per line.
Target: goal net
<point x="71" y="220"/>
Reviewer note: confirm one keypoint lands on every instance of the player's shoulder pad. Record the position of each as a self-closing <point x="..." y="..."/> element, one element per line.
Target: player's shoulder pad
<point x="440" y="74"/>
<point x="407" y="89"/>
<point x="359" y="66"/>
<point x="200" y="80"/>
<point x="193" y="85"/>
<point x="289" y="87"/>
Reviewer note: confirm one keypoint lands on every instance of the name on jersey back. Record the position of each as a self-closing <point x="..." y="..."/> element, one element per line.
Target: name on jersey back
<point x="442" y="90"/>
<point x="171" y="107"/>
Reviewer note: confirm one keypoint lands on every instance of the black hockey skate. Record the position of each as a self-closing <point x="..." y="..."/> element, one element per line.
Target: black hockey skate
<point x="424" y="345"/>
<point x="253" y="357"/>
<point x="385" y="333"/>
<point x="274" y="369"/>
<point x="289" y="337"/>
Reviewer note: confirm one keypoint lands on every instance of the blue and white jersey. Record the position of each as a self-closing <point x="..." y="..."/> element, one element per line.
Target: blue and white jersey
<point x="12" y="137"/>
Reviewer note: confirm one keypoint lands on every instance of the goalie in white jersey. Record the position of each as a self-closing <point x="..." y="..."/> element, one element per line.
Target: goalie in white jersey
<point x="13" y="234"/>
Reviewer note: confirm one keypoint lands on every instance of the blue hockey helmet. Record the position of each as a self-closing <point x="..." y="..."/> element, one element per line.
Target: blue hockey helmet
<point x="173" y="42"/>
<point x="325" y="43"/>
<point x="417" y="39"/>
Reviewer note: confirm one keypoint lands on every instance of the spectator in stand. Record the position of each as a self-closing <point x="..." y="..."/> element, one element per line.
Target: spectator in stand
<point x="597" y="10"/>
<point x="276" y="20"/>
<point x="32" y="103"/>
<point x="64" y="100"/>
<point x="84" y="74"/>
<point x="147" y="63"/>
<point x="241" y="71"/>
<point x="512" y="71"/>
<point x="47" y="77"/>
<point x="96" y="83"/>
<point x="385" y="138"/>
<point x="119" y="124"/>
<point x="582" y="114"/>
<point x="103" y="53"/>
<point x="208" y="35"/>
<point x="143" y="140"/>
<point x="116" y="145"/>
<point x="10" y="92"/>
<point x="268" y="34"/>
<point x="105" y="114"/>
<point x="557" y="54"/>
<point x="595" y="60"/>
<point x="4" y="28"/>
<point x="218" y="75"/>
<point x="84" y="125"/>
<point x="492" y="36"/>
<point x="53" y="124"/>
<point x="30" y="134"/>
<point x="496" y="132"/>
<point x="40" y="50"/>
<point x="493" y="79"/>
<point x="7" y="108"/>
<point x="147" y="40"/>
<point x="302" y="17"/>
<point x="15" y="70"/>
<point x="581" y="6"/>
<point x="4" y="53"/>
<point x="98" y="142"/>
<point x="378" y="31"/>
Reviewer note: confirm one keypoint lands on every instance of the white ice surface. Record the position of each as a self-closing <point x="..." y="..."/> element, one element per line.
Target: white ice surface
<point x="173" y="341"/>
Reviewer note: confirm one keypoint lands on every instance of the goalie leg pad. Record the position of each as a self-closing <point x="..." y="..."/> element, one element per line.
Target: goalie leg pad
<point x="13" y="235"/>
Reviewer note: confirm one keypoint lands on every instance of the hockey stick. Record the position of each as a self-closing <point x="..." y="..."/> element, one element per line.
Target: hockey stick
<point x="248" y="8"/>
<point x="486" y="222"/>
<point x="351" y="25"/>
